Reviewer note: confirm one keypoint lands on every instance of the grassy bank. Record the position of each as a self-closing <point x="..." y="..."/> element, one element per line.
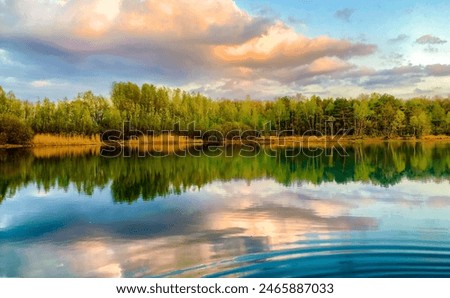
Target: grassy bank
<point x="50" y="140"/>
<point x="53" y="140"/>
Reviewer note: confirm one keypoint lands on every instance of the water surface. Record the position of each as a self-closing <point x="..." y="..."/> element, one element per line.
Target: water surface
<point x="381" y="210"/>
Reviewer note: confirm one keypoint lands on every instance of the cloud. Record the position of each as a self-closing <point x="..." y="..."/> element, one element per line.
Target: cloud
<point x="95" y="25"/>
<point x="168" y="42"/>
<point x="318" y="70"/>
<point x="41" y="83"/>
<point x="296" y="21"/>
<point x="327" y="65"/>
<point x="172" y="35"/>
<point x="399" y="38"/>
<point x="172" y="42"/>
<point x="419" y="91"/>
<point x="439" y="202"/>
<point x="430" y="39"/>
<point x="438" y="69"/>
<point x="344" y="14"/>
<point x="394" y="58"/>
<point x="431" y="49"/>
<point x="405" y="75"/>
<point x="281" y="57"/>
<point x="217" y="48"/>
<point x="4" y="57"/>
<point x="281" y="46"/>
<point x="432" y="70"/>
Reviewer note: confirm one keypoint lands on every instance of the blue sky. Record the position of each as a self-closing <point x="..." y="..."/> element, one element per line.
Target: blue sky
<point x="226" y="48"/>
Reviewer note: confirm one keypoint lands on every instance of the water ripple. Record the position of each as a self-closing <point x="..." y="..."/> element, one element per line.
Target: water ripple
<point x="335" y="258"/>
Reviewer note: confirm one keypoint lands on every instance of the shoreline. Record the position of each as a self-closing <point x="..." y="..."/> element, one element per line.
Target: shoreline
<point x="349" y="139"/>
<point x="62" y="141"/>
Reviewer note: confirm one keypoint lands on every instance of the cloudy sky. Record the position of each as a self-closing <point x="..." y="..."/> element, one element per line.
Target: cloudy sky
<point x="224" y="48"/>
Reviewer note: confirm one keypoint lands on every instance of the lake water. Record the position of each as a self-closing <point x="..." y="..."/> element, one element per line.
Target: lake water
<point x="381" y="210"/>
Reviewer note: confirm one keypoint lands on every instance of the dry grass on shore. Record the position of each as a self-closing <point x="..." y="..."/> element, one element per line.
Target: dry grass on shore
<point x="64" y="140"/>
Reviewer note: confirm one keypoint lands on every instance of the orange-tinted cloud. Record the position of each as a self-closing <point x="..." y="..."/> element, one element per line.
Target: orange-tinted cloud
<point x="175" y="34"/>
<point x="328" y="65"/>
<point x="216" y="45"/>
<point x="281" y="46"/>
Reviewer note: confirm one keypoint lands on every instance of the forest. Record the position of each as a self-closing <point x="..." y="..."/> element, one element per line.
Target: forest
<point x="152" y="108"/>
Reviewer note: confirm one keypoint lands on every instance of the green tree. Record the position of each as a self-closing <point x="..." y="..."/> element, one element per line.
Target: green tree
<point x="126" y="97"/>
<point x="399" y="122"/>
<point x="44" y="120"/>
<point x="438" y="118"/>
<point x="281" y="113"/>
<point x="96" y="106"/>
<point x="421" y="124"/>
<point x="362" y="114"/>
<point x="386" y="109"/>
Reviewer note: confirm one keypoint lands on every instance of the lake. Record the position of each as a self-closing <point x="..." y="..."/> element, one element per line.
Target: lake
<point x="378" y="210"/>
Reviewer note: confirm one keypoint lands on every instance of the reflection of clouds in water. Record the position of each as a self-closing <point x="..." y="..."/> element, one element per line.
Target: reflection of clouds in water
<point x="41" y="194"/>
<point x="283" y="215"/>
<point x="222" y="221"/>
<point x="406" y="189"/>
<point x="439" y="202"/>
<point x="5" y="221"/>
<point x="94" y="258"/>
<point x="407" y="193"/>
<point x="105" y="257"/>
<point x="242" y="219"/>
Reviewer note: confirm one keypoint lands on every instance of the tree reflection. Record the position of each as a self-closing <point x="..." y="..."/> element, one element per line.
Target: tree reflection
<point x="136" y="177"/>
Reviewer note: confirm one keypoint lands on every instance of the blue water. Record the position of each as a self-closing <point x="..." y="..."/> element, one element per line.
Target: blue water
<point x="231" y="229"/>
<point x="381" y="211"/>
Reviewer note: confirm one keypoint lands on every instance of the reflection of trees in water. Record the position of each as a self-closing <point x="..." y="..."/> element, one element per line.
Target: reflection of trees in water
<point x="134" y="177"/>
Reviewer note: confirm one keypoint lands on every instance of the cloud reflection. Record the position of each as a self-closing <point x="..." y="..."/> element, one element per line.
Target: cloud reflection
<point x="225" y="220"/>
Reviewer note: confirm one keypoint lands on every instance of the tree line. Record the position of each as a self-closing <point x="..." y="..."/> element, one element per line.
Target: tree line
<point x="152" y="108"/>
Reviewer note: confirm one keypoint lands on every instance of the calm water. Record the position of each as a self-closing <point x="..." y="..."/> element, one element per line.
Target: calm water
<point x="383" y="210"/>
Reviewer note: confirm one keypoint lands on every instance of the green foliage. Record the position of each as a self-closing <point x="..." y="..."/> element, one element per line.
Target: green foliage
<point x="438" y="118"/>
<point x="126" y="98"/>
<point x="152" y="108"/>
<point x="362" y="113"/>
<point x="14" y="131"/>
<point x="421" y="124"/>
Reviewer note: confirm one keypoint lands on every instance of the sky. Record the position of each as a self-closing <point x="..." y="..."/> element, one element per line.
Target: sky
<point x="224" y="48"/>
